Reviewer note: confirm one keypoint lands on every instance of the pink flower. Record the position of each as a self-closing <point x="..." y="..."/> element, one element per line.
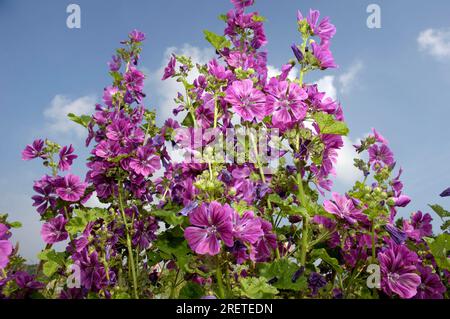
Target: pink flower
<point x="285" y="100"/>
<point x="247" y="227"/>
<point x="66" y="158"/>
<point x="70" y="188"/>
<point x="54" y="230"/>
<point x="323" y="55"/>
<point x="169" y="70"/>
<point x="145" y="162"/>
<point x="344" y="208"/>
<point x="211" y="225"/>
<point x="33" y="151"/>
<point x="398" y="271"/>
<point x="246" y="101"/>
<point x="422" y="223"/>
<point x="380" y="156"/>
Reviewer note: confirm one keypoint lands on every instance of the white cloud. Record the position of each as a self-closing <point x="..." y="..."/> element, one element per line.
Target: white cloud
<point x="167" y="90"/>
<point x="346" y="172"/>
<point x="60" y="106"/>
<point x="94" y="202"/>
<point x="326" y="84"/>
<point x="348" y="80"/>
<point x="435" y="42"/>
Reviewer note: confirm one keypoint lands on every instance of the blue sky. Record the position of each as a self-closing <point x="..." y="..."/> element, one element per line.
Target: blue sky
<point x="395" y="78"/>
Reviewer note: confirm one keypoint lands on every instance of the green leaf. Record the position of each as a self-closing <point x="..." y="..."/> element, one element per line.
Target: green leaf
<point x="191" y="290"/>
<point x="15" y="224"/>
<point x="323" y="255"/>
<point x="438" y="209"/>
<point x="188" y="121"/>
<point x="328" y="125"/>
<point x="49" y="268"/>
<point x="439" y="247"/>
<point x="257" y="288"/>
<point x="83" y="120"/>
<point x="173" y="245"/>
<point x="217" y="41"/>
<point x="282" y="271"/>
<point x="169" y="217"/>
<point x="81" y="218"/>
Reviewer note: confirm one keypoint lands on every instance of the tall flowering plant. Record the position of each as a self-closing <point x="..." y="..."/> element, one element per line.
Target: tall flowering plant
<point x="248" y="212"/>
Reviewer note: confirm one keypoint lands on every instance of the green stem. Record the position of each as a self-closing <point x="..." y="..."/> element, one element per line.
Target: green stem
<point x="305" y="226"/>
<point x="174" y="285"/>
<point x="373" y="241"/>
<point x="219" y="280"/>
<point x="129" y="247"/>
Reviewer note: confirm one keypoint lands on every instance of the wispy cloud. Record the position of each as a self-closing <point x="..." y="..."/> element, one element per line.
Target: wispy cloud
<point x="435" y="42"/>
<point x="326" y="84"/>
<point x="348" y="80"/>
<point x="346" y="172"/>
<point x="60" y="106"/>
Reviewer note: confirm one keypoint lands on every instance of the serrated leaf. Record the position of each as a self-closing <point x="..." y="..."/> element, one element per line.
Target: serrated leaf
<point x="439" y="247"/>
<point x="49" y="268"/>
<point x="217" y="41"/>
<point x="172" y="245"/>
<point x="169" y="217"/>
<point x="438" y="209"/>
<point x="328" y="125"/>
<point x="257" y="288"/>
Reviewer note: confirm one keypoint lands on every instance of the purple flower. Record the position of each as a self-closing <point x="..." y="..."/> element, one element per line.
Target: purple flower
<point x="70" y="188"/>
<point x="324" y="30"/>
<point x="397" y="235"/>
<point x="66" y="158"/>
<point x="115" y="63"/>
<point x="431" y="286"/>
<point x="33" y="151"/>
<point x="211" y="225"/>
<point x="134" y="80"/>
<point x="108" y="95"/>
<point x="344" y="208"/>
<point x="379" y="155"/>
<point x="46" y="196"/>
<point x="446" y="193"/>
<point x="298" y="54"/>
<point x="266" y="243"/>
<point x="315" y="282"/>
<point x="402" y="201"/>
<point x="398" y="271"/>
<point x="137" y="36"/>
<point x="169" y="70"/>
<point x="285" y="100"/>
<point x="145" y="162"/>
<point x="247" y="227"/>
<point x="144" y="232"/>
<point x="241" y="4"/>
<point x="27" y="282"/>
<point x="54" y="230"/>
<point x="422" y="223"/>
<point x="245" y="100"/>
<point x="323" y="55"/>
<point x="6" y="247"/>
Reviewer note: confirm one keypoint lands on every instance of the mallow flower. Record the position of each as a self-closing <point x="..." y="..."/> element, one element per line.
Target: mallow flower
<point x="33" y="151"/>
<point x="145" y="162"/>
<point x="54" y="230"/>
<point x="380" y="155"/>
<point x="247" y="227"/>
<point x="246" y="101"/>
<point x="66" y="157"/>
<point x="398" y="271"/>
<point x="344" y="208"/>
<point x="431" y="286"/>
<point x="70" y="188"/>
<point x="6" y="247"/>
<point x="211" y="225"/>
<point x="169" y="70"/>
<point x="323" y="55"/>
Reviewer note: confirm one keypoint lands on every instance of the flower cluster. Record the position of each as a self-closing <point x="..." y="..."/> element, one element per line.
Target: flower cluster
<point x="226" y="224"/>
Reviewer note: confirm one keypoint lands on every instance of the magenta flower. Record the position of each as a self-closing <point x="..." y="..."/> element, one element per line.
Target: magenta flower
<point x="33" y="151"/>
<point x="241" y="4"/>
<point x="285" y="100"/>
<point x="247" y="227"/>
<point x="402" y="201"/>
<point x="54" y="230"/>
<point x="108" y="95"/>
<point x="380" y="155"/>
<point x="70" y="188"/>
<point x="431" y="286"/>
<point x="137" y="36"/>
<point x="324" y="30"/>
<point x="422" y="223"/>
<point x="66" y="158"/>
<point x="445" y="193"/>
<point x="246" y="101"/>
<point x="145" y="162"/>
<point x="344" y="208"/>
<point x="169" y="70"/>
<point x="45" y="197"/>
<point x="323" y="55"/>
<point x="115" y="63"/>
<point x="211" y="225"/>
<point x="6" y="247"/>
<point x="398" y="271"/>
<point x="134" y="80"/>
<point x="267" y="243"/>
